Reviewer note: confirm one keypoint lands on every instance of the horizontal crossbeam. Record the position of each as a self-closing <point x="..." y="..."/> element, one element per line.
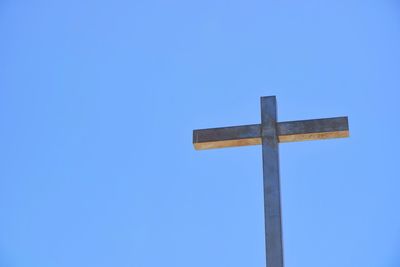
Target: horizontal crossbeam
<point x="290" y="131"/>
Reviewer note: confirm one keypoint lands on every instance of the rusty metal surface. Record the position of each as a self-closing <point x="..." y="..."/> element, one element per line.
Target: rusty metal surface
<point x="290" y="131"/>
<point x="272" y="196"/>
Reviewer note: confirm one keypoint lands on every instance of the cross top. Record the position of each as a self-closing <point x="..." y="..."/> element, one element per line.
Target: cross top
<point x="269" y="134"/>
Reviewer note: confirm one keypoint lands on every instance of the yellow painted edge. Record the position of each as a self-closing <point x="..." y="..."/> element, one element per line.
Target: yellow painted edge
<point x="312" y="136"/>
<point x="281" y="138"/>
<point x="228" y="143"/>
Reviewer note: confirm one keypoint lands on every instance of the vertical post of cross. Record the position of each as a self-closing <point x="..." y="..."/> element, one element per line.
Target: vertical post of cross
<point x="272" y="198"/>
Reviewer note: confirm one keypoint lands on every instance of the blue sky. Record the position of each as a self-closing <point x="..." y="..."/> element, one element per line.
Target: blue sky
<point x="98" y="100"/>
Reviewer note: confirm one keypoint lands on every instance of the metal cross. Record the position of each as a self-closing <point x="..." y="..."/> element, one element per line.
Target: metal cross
<point x="269" y="133"/>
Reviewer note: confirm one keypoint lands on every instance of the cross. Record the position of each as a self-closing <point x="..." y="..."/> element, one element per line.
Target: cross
<point x="269" y="133"/>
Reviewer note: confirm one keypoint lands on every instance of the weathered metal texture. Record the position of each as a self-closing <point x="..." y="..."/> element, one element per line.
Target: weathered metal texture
<point x="272" y="196"/>
<point x="291" y="131"/>
<point x="227" y="137"/>
<point x="270" y="133"/>
<point x="305" y="130"/>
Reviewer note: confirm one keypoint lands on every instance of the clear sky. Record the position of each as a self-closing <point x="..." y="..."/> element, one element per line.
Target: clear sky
<point x="98" y="100"/>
